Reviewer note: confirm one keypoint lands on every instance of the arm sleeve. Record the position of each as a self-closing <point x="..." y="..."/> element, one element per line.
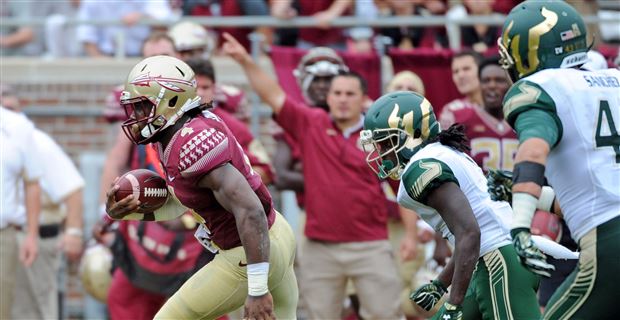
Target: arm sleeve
<point x="447" y="117"/>
<point x="60" y="177"/>
<point x="425" y="175"/>
<point x="524" y="103"/>
<point x="537" y="123"/>
<point x="294" y="118"/>
<point x="254" y="7"/>
<point x="31" y="154"/>
<point x="86" y="32"/>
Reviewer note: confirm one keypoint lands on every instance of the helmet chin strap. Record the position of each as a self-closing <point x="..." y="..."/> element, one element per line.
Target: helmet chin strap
<point x="149" y="129"/>
<point x="189" y="105"/>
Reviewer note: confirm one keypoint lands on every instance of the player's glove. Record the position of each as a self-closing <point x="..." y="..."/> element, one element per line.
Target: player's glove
<point x="428" y="295"/>
<point x="450" y="312"/>
<point x="531" y="257"/>
<point x="499" y="183"/>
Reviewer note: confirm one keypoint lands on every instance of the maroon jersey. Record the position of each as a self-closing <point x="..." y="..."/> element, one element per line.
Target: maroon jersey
<point x="232" y="100"/>
<point x="318" y="36"/>
<point x="113" y="110"/>
<point x="493" y="143"/>
<point x="257" y="156"/>
<point x="343" y="197"/>
<point x="201" y="145"/>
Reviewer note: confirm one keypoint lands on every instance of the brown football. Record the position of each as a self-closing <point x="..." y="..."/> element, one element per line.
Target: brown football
<point x="146" y="185"/>
<point x="547" y="224"/>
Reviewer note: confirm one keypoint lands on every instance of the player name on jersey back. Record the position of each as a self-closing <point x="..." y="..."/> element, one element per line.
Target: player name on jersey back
<point x="601" y="81"/>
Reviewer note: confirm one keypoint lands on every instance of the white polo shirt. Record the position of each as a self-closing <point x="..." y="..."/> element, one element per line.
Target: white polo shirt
<point x="18" y="160"/>
<point x="106" y="36"/>
<point x="60" y="178"/>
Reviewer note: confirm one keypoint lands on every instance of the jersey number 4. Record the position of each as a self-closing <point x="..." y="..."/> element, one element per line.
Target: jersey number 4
<point x="606" y="132"/>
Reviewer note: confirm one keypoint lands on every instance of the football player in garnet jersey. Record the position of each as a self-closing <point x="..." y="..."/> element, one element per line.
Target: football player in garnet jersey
<point x="493" y="143"/>
<point x="207" y="172"/>
<point x="440" y="182"/>
<point x="566" y="118"/>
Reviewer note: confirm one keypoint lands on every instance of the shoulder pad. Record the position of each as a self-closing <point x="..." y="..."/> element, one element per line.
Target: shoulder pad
<point x="229" y="98"/>
<point x="202" y="150"/>
<point x="525" y="95"/>
<point x="425" y="175"/>
<point x="458" y="104"/>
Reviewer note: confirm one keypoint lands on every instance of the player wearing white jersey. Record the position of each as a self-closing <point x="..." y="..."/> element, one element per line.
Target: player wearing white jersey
<point x="448" y="190"/>
<point x="567" y="123"/>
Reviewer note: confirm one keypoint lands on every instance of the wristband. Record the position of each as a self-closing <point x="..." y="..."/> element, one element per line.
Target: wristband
<point x="441" y="286"/>
<point x="528" y="171"/>
<point x="258" y="275"/>
<point x="523" y="208"/>
<point x="73" y="231"/>
<point x="545" y="202"/>
<point x="451" y="307"/>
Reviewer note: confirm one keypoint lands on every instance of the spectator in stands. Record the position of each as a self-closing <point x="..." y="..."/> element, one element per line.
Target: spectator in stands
<point x="505" y="6"/>
<point x="324" y="12"/>
<point x="19" y="162"/>
<point x="53" y="38"/>
<point x="234" y="8"/>
<point x="16" y="40"/>
<point x="493" y="143"/>
<point x="103" y="40"/>
<point x="314" y="73"/>
<point x="465" y="77"/>
<point x="192" y="40"/>
<point x="346" y="212"/>
<point x="36" y="288"/>
<point x="406" y="81"/>
<point x="407" y="37"/>
<point x="59" y="37"/>
<point x="604" y="32"/>
<point x="479" y="37"/>
<point x="360" y="39"/>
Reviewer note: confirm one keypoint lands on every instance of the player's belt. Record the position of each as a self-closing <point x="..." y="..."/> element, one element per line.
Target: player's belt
<point x="49" y="231"/>
<point x="45" y="231"/>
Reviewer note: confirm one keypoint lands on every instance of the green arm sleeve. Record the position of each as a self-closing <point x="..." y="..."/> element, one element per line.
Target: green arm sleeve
<point x="538" y="123"/>
<point x="424" y="175"/>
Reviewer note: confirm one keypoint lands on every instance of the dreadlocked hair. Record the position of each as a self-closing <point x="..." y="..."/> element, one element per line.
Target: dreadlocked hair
<point x="454" y="138"/>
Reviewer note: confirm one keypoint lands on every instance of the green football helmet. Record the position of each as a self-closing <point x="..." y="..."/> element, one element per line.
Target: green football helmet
<point x="395" y="127"/>
<point x="541" y="35"/>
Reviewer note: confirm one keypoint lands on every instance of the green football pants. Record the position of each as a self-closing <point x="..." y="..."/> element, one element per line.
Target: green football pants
<point x="590" y="291"/>
<point x="500" y="288"/>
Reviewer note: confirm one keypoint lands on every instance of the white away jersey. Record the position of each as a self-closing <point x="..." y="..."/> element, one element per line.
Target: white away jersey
<point x="584" y="166"/>
<point x="436" y="164"/>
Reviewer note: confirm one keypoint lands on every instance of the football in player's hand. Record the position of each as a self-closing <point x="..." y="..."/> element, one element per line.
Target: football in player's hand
<point x="547" y="224"/>
<point x="146" y="186"/>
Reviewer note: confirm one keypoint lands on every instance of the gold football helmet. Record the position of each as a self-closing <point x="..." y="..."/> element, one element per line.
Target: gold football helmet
<point x="95" y="271"/>
<point x="158" y="91"/>
<point x="192" y="39"/>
